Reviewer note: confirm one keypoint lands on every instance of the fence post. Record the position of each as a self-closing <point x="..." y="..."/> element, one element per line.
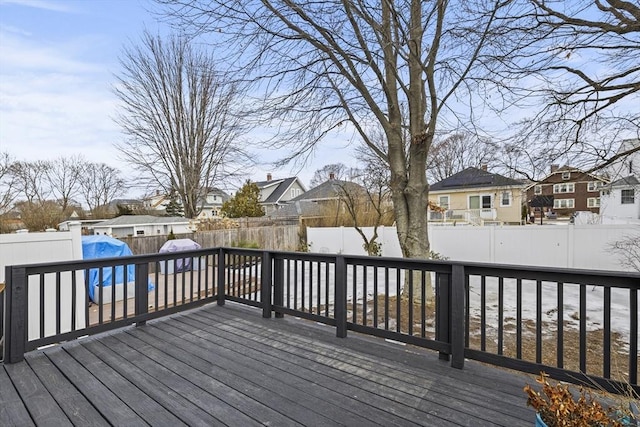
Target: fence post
<point x="15" y="314"/>
<point x="222" y="269"/>
<point x="457" y="305"/>
<point x="341" y="297"/>
<point x="443" y="312"/>
<point x="278" y="284"/>
<point x="141" y="290"/>
<point x="266" y="284"/>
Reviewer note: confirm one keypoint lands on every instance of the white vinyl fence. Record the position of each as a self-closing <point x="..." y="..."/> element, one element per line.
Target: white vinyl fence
<point x="573" y="246"/>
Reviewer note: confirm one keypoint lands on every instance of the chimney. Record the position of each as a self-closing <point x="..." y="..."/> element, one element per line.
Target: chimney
<point x="483" y="167"/>
<point x="332" y="175"/>
<point x="554" y="168"/>
<point x="269" y="177"/>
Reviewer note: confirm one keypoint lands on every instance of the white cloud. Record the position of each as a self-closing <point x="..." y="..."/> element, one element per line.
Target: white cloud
<point x="40" y="4"/>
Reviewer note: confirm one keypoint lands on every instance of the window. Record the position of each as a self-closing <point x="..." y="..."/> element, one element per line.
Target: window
<point x="505" y="200"/>
<point x="537" y="189"/>
<point x="566" y="175"/>
<point x="443" y="202"/>
<point x="480" y="202"/>
<point x="295" y="192"/>
<point x="563" y="204"/>
<point x="593" y="202"/>
<point x="564" y="188"/>
<point x="627" y="197"/>
<point x="139" y="232"/>
<point x="593" y="186"/>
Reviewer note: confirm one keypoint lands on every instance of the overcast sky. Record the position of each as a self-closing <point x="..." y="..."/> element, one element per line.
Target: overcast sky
<point x="57" y="62"/>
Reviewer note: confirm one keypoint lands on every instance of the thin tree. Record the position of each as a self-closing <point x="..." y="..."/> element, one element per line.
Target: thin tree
<point x="337" y="170"/>
<point x="100" y="184"/>
<point x="181" y="118"/>
<point x="64" y="175"/>
<point x="325" y="65"/>
<point x="459" y="151"/>
<point x="8" y="191"/>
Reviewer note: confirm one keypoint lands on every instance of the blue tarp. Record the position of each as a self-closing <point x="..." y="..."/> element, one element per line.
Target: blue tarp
<point x="107" y="247"/>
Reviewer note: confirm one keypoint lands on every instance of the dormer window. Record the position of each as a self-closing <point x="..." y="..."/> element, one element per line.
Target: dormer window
<point x="566" y="175"/>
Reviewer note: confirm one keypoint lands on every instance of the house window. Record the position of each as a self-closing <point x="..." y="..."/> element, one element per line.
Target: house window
<point x="593" y="202"/>
<point x="295" y="192"/>
<point x="139" y="232"/>
<point x="480" y="202"/>
<point x="505" y="200"/>
<point x="627" y="197"/>
<point x="537" y="189"/>
<point x="563" y="203"/>
<point x="564" y="188"/>
<point x="566" y="175"/>
<point x="593" y="186"/>
<point x="443" y="202"/>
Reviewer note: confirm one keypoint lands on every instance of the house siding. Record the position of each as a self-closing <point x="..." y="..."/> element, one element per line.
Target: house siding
<point x="580" y="194"/>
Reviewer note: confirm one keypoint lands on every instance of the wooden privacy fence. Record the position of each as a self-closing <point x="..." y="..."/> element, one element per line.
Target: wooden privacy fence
<point x="576" y="325"/>
<point x="275" y="237"/>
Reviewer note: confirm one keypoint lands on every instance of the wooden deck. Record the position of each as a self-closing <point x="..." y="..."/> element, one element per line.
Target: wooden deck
<point x="228" y="366"/>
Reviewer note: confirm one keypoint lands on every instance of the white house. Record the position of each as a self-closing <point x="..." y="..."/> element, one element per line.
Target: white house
<point x="212" y="203"/>
<point x="142" y="225"/>
<point x="627" y="165"/>
<point x="620" y="201"/>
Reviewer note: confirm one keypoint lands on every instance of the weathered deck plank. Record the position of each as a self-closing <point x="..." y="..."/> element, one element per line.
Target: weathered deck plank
<point x="228" y="366"/>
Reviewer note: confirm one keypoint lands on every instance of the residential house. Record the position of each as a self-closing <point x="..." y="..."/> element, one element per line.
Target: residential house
<point x="156" y="202"/>
<point x="142" y="225"/>
<point x="318" y="200"/>
<point x="620" y="201"/>
<point x="211" y="203"/>
<point x="131" y="204"/>
<point x="478" y="197"/>
<point x="628" y="165"/>
<point x="275" y="193"/>
<point x="570" y="189"/>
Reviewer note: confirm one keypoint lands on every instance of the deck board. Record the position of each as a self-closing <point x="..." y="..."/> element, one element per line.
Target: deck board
<point x="229" y="366"/>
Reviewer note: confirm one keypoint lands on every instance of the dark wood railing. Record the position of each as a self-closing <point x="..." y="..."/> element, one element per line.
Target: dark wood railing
<point x="576" y="325"/>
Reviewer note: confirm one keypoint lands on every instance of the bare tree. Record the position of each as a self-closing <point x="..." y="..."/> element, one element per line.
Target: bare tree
<point x="99" y="185"/>
<point x="337" y="170"/>
<point x="326" y="64"/>
<point x="64" y="175"/>
<point x="583" y="66"/>
<point x="8" y="191"/>
<point x="368" y="203"/>
<point x="181" y="117"/>
<point x="459" y="151"/>
<point x="31" y="180"/>
<point x="628" y="251"/>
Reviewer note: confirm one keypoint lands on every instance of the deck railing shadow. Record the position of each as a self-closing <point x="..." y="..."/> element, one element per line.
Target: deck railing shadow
<point x="576" y="325"/>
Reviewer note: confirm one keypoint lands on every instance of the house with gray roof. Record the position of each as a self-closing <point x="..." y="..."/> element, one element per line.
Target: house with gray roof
<point x="315" y="202"/>
<point x="478" y="197"/>
<point x="142" y="225"/>
<point x="275" y="193"/>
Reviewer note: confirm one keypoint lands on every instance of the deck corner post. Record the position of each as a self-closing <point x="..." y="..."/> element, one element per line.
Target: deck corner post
<point x="443" y="311"/>
<point x="278" y="285"/>
<point x="15" y="314"/>
<point x="341" y="297"/>
<point x="266" y="284"/>
<point x="457" y="305"/>
<point x="222" y="269"/>
<point x="141" y="291"/>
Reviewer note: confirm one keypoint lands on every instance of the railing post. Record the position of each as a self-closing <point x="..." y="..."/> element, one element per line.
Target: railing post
<point x="341" y="297"/>
<point x="457" y="307"/>
<point x="443" y="312"/>
<point x="141" y="290"/>
<point x="222" y="269"/>
<point x="15" y="314"/>
<point x="266" y="284"/>
<point x="278" y="284"/>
